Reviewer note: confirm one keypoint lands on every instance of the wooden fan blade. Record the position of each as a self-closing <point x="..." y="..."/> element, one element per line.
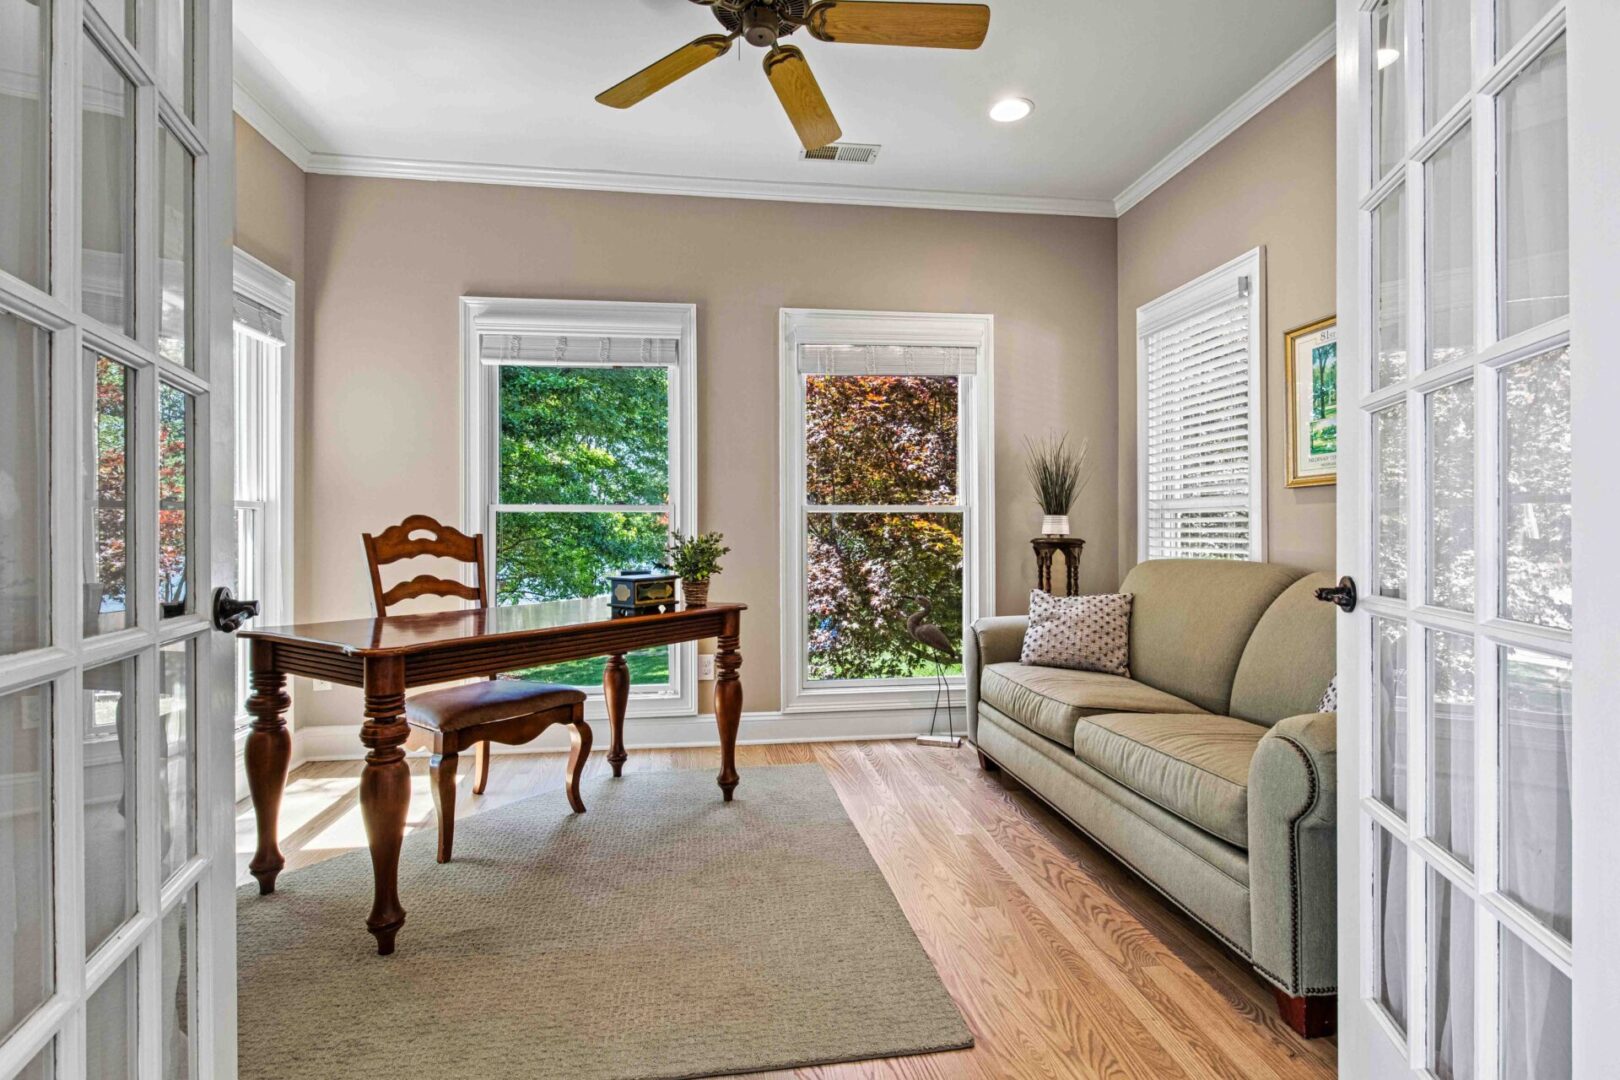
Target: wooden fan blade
<point x="678" y="64"/>
<point x="801" y="96"/>
<point x="874" y="22"/>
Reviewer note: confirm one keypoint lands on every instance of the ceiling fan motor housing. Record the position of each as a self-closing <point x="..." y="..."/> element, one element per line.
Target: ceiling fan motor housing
<point x="762" y="22"/>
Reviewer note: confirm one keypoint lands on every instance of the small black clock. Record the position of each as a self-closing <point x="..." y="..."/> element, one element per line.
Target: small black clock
<point x="638" y="592"/>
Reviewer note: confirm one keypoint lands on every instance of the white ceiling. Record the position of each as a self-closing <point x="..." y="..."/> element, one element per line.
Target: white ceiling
<point x="1117" y="87"/>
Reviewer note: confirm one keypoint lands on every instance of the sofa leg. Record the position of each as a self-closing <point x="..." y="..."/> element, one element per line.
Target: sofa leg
<point x="987" y="764"/>
<point x="1315" y="1016"/>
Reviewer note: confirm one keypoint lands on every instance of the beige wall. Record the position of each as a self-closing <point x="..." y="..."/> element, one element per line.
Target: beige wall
<point x="1271" y="184"/>
<point x="269" y="203"/>
<point x="387" y="260"/>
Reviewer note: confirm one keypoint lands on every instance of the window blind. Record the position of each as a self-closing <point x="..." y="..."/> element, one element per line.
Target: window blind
<point x="257" y="319"/>
<point x="888" y="360"/>
<point x="575" y="350"/>
<point x="1199" y="445"/>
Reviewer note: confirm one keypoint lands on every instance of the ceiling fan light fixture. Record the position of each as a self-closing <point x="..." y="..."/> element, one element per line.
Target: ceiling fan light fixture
<point x="1011" y="110"/>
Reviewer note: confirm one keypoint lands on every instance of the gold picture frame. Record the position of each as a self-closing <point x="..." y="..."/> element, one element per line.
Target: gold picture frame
<point x="1313" y="447"/>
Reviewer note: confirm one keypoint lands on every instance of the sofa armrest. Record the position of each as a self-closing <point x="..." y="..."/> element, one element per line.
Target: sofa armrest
<point x="1293" y="855"/>
<point x="996" y="640"/>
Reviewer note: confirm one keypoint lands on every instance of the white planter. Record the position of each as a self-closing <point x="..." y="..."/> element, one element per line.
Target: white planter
<point x="1055" y="525"/>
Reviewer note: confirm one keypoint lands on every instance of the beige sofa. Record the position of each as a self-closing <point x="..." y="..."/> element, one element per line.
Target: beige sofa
<point x="1209" y="771"/>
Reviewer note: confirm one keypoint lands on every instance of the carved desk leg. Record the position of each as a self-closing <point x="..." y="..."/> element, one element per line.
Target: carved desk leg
<point x="268" y="750"/>
<point x="616" y="693"/>
<point x="578" y="754"/>
<point x="385" y="793"/>
<point x="728" y="704"/>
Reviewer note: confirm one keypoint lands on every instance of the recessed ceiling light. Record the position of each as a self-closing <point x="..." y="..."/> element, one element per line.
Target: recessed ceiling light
<point x="1387" y="57"/>
<point x="1008" y="110"/>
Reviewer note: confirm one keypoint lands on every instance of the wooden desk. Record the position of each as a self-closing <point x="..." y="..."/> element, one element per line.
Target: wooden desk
<point x="387" y="656"/>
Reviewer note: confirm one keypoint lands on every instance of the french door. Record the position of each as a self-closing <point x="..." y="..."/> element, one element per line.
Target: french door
<point x="116" y="899"/>
<point x="1456" y="518"/>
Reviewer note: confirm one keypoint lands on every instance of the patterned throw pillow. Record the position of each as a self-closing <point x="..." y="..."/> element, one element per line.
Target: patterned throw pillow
<point x="1330" y="699"/>
<point x="1089" y="633"/>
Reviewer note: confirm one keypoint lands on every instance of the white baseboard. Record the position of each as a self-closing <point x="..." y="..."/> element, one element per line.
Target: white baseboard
<point x="341" y="742"/>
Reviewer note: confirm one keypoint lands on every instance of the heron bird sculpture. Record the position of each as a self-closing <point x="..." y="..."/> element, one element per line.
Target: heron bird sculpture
<point x="943" y="651"/>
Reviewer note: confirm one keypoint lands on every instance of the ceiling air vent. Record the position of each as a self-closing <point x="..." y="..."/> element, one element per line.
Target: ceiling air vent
<point x="847" y="153"/>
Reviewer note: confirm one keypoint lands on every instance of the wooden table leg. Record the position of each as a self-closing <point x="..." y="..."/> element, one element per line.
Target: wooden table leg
<point x="728" y="705"/>
<point x="616" y="693"/>
<point x="268" y="750"/>
<point x="385" y="793"/>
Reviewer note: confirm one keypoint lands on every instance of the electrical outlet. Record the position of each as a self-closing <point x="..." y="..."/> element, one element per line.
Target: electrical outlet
<point x="705" y="667"/>
<point x="322" y="684"/>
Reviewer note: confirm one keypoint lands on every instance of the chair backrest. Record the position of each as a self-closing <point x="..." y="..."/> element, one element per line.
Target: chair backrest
<point x="399" y="542"/>
<point x="1191" y="621"/>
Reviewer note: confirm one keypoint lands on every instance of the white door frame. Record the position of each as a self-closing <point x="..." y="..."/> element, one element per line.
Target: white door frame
<point x="1594" y="258"/>
<point x="1593" y="33"/>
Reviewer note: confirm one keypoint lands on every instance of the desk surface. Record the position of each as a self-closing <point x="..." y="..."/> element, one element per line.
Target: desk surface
<point x="413" y="633"/>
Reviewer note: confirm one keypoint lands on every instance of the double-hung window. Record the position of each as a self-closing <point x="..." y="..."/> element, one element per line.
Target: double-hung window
<point x="1199" y="386"/>
<point x="886" y="511"/>
<point x="580" y="457"/>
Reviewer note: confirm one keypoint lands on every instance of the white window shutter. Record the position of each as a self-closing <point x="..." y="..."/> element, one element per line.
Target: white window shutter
<point x="1200" y="439"/>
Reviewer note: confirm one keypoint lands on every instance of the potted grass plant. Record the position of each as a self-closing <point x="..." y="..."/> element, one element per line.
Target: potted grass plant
<point x="1058" y="474"/>
<point x="696" y="559"/>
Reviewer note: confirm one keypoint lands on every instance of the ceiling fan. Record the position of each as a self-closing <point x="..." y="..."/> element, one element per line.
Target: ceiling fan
<point x="765" y="22"/>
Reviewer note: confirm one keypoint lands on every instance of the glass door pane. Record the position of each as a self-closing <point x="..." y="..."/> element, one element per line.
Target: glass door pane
<point x="1537" y="1015"/>
<point x="1450" y="418"/>
<point x="1390" y="510"/>
<point x="25" y="534"/>
<point x="1389" y="921"/>
<point x="25" y="132"/>
<point x="1389" y="85"/>
<point x="1451" y="744"/>
<point x="177" y="770"/>
<point x="1446" y="52"/>
<point x="175" y="410"/>
<point x="1534" y="740"/>
<point x="1537" y="467"/>
<point x="1514" y="18"/>
<point x="174" y="248"/>
<point x="1389" y="289"/>
<point x="110" y="1027"/>
<point x="179" y="986"/>
<point x="109" y="604"/>
<point x="1533" y="178"/>
<point x="1450" y="965"/>
<point x="1449" y="265"/>
<point x="28" y="851"/>
<point x="110" y="798"/>
<point x="1389" y="744"/>
<point x="107" y="181"/>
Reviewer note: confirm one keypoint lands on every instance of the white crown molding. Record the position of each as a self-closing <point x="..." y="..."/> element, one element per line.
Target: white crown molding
<point x="1289" y="74"/>
<point x="265" y="122"/>
<point x="1316" y="52"/>
<point x="706" y="187"/>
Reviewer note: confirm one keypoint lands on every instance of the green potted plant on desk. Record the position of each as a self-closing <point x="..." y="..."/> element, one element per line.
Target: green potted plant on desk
<point x="696" y="559"/>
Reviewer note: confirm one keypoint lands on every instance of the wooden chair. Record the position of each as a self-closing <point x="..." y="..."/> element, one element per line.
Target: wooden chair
<point x="510" y="711"/>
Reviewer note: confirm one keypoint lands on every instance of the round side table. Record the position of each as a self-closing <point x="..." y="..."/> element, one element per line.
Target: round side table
<point x="1046" y="549"/>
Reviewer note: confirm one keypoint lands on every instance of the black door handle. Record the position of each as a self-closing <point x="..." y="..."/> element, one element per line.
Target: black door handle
<point x="1343" y="594"/>
<point x="230" y="613"/>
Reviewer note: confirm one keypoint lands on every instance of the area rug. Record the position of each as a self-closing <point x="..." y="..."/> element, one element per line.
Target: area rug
<point x="664" y="933"/>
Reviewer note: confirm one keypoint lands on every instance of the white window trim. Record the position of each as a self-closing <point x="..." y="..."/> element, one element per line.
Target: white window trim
<point x="803" y="326"/>
<point x="1182" y="303"/>
<point x="585" y="318"/>
<point x="265" y="285"/>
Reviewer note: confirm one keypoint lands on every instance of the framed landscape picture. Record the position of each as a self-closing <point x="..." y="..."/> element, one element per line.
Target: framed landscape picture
<point x="1312" y="377"/>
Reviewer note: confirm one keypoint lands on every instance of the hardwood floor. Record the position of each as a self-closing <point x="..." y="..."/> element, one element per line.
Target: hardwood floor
<point x="1062" y="961"/>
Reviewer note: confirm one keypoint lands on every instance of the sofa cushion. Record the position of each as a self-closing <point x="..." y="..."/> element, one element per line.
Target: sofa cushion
<point x="1191" y="618"/>
<point x="1290" y="658"/>
<point x="1194" y="765"/>
<point x="1050" y="701"/>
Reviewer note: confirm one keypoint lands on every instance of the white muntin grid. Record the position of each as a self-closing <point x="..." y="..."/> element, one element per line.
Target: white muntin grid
<point x="57" y="1026"/>
<point x="1489" y="632"/>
